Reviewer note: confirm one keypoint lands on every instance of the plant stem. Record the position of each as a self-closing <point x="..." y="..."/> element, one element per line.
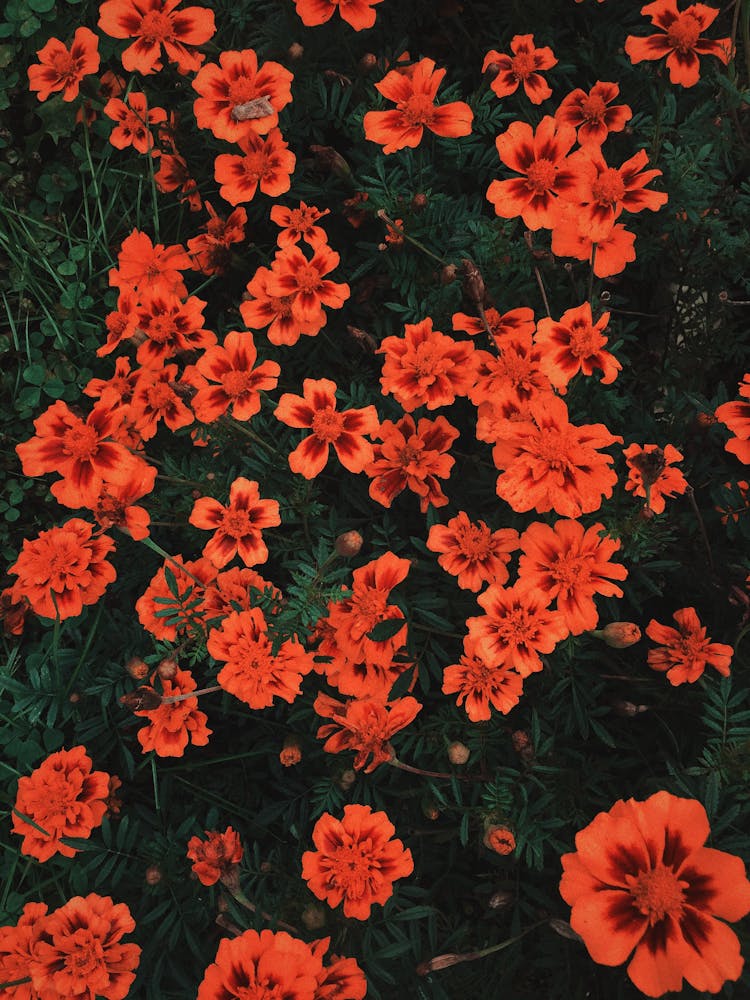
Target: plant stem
<point x="173" y="698"/>
<point x="397" y="229"/>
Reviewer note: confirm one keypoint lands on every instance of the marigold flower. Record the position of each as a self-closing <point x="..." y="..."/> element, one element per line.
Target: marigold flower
<point x="276" y="313"/>
<point x="65" y="798"/>
<point x="233" y="589"/>
<point x="573" y="344"/>
<point x="165" y="614"/>
<point x="358" y="13"/>
<point x="365" y="725"/>
<point x="273" y="962"/>
<point x="13" y="612"/>
<point x="155" y="399"/>
<point x="414" y="94"/>
<point x="236" y="382"/>
<point x="209" y="251"/>
<point x="570" y="238"/>
<point x="17" y="945"/>
<point x="481" y="683"/>
<point x="238" y="526"/>
<point x="114" y="507"/>
<point x="412" y="456"/>
<point x="517" y="626"/>
<point x="299" y="224"/>
<point x="173" y="725"/>
<point x="473" y="552"/>
<point x="170" y="327"/>
<point x="641" y="879"/>
<point x="172" y="174"/>
<point x="521" y="68"/>
<point x="590" y="114"/>
<point x="736" y="416"/>
<point x="63" y="569"/>
<point x="79" y="954"/>
<point x="513" y="376"/>
<point x="121" y="322"/>
<point x="680" y="40"/>
<point x="215" y="858"/>
<point x="344" y="430"/>
<point x="515" y="322"/>
<point x="148" y="268"/>
<point x="425" y="367"/>
<point x="651" y="474"/>
<point x="253" y="673"/>
<point x="266" y="163"/>
<point x="294" y="275"/>
<point x="236" y="81"/>
<point x="684" y="652"/>
<point x="500" y="839"/>
<point x="291" y="753"/>
<point x="357" y="859"/>
<point x="133" y="117"/>
<point x="342" y="979"/>
<point x="541" y="157"/>
<point x="156" y="24"/>
<point x="62" y="69"/>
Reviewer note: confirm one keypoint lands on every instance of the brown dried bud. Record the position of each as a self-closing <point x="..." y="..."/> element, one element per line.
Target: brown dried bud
<point x="705" y="420"/>
<point x="137" y="668"/>
<point x="74" y="697"/>
<point x="430" y="809"/>
<point x="473" y="282"/>
<point x="144" y="699"/>
<point x="605" y="296"/>
<point x="443" y="962"/>
<point x="646" y="514"/>
<point x="367" y="63"/>
<point x="313" y="917"/>
<point x="329" y="159"/>
<point x="348" y="544"/>
<point x="153" y="875"/>
<point x="266" y="867"/>
<point x="499" y="838"/>
<point x="458" y="753"/>
<point x="419" y="201"/>
<point x="347" y="779"/>
<point x="521" y="740"/>
<point x="167" y="669"/>
<point x="259" y="107"/>
<point x="366" y="341"/>
<point x="618" y="635"/>
<point x="448" y="274"/>
<point x="295" y="52"/>
<point x="627" y="709"/>
<point x="500" y="899"/>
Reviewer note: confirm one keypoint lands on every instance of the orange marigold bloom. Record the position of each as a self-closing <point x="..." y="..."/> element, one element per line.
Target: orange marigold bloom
<point x="641" y="879"/>
<point x="550" y="464"/>
<point x="651" y="474"/>
<point x="517" y="626"/>
<point x="684" y="652"/>
<point x="358" y="13"/>
<point x="253" y="673"/>
<point x="574" y="344"/>
<point x="357" y="859"/>
<point x="63" y="569"/>
<point x="291" y="752"/>
<point x="365" y="725"/>
<point x="236" y="382"/>
<point x="425" y="367"/>
<point x="172" y="174"/>
<point x="414" y="93"/>
<point x="590" y="114"/>
<point x="237" y="527"/>
<point x="294" y="275"/>
<point x="172" y="726"/>
<point x="513" y="376"/>
<point x="79" y="954"/>
<point x="414" y="456"/>
<point x="165" y="614"/>
<point x="238" y="81"/>
<point x="521" y="68"/>
<point x="473" y="552"/>
<point x="481" y="683"/>
<point x="540" y="156"/>
<point x="63" y="797"/>
<point x="13" y="612"/>
<point x="736" y="416"/>
<point x="62" y="69"/>
<point x="233" y="590"/>
<point x="270" y="963"/>
<point x="17" y="946"/>
<point x="114" y="505"/>
<point x="342" y="979"/>
<point x="217" y="857"/>
<point x="210" y="250"/>
<point x="155" y="399"/>
<point x="275" y="312"/>
<point x="121" y="323"/>
<point x="570" y="238"/>
<point x="570" y="564"/>
<point x="134" y="117"/>
<point x="170" y="326"/>
<point x="680" y="40"/>
<point x="266" y="163"/>
<point x="499" y="839"/>
<point x="299" y="224"/>
<point x="514" y="322"/>
<point x="148" y="268"/>
<point x="316" y="409"/>
<point x="156" y="24"/>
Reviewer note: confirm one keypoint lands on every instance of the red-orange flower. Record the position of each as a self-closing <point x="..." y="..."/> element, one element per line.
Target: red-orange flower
<point x="217" y="857"/>
<point x="231" y="380"/>
<point x="63" y="569"/>
<point x="263" y="309"/>
<point x="79" y="954"/>
<point x="521" y="68"/>
<point x="570" y="238"/>
<point x="210" y="250"/>
<point x="17" y="946"/>
<point x="133" y="117"/>
<point x="270" y="963"/>
<point x="414" y="93"/>
<point x="481" y="683"/>
<point x="62" y="69"/>
<point x="114" y="507"/>
<point x="172" y="174"/>
<point x="172" y="726"/>
<point x="226" y="91"/>
<point x="684" y="652"/>
<point x="164" y="613"/>
<point x="121" y="322"/>
<point x="412" y="456"/>
<point x="148" y="268"/>
<point x="540" y="156"/>
<point x="651" y="474"/>
<point x="237" y="527"/>
<point x="515" y="322"/>
<point x="342" y="979"/>
<point x="155" y="399"/>
<point x="358" y="13"/>
<point x="641" y="879"/>
<point x="425" y="367"/>
<point x="473" y="552"/>
<point x="156" y="24"/>
<point x="365" y="725"/>
<point x="570" y="564"/>
<point x="680" y="40"/>
<point x="517" y="626"/>
<point x="590" y="114"/>
<point x="299" y="224"/>
<point x="64" y="798"/>
<point x="253" y="672"/>
<point x="292" y="274"/>
<point x="357" y="859"/>
<point x="513" y="374"/>
<point x="266" y="163"/>
<point x="736" y="416"/>
<point x="170" y="326"/>
<point x="344" y="429"/>
<point x="573" y="344"/>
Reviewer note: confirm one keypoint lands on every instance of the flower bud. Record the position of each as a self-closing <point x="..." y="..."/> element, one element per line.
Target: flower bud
<point x="430" y="809"/>
<point x="473" y="282"/>
<point x="627" y="709"/>
<point x="705" y="420"/>
<point x="348" y="544"/>
<point x="521" y="740"/>
<point x="295" y="52"/>
<point x="330" y="160"/>
<point x="347" y="779"/>
<point x="367" y="63"/>
<point x="153" y="875"/>
<point x="419" y="201"/>
<point x="137" y="668"/>
<point x="618" y="635"/>
<point x="167" y="669"/>
<point x="500" y="899"/>
<point x="291" y="753"/>
<point x="144" y="699"/>
<point x="458" y="753"/>
<point x="313" y="917"/>
<point x="499" y="838"/>
<point x="448" y="274"/>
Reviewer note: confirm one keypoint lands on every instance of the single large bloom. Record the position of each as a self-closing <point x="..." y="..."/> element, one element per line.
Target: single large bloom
<point x="265" y="965"/>
<point x="472" y="552"/>
<point x="365" y="725"/>
<point x="266" y="162"/>
<point x="685" y="651"/>
<point x="62" y="69"/>
<point x="575" y="343"/>
<point x="215" y="857"/>
<point x="238" y="526"/>
<point x="523" y="67"/>
<point x="592" y="114"/>
<point x="652" y="474"/>
<point x="412" y="456"/>
<point x="641" y="882"/>
<point x="156" y="24"/>
<point x="228" y="378"/>
<point x="481" y="683"/>
<point x="172" y="725"/>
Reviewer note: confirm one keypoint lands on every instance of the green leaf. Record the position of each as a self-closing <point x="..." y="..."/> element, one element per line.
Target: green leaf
<point x="386" y="630"/>
<point x="40" y="6"/>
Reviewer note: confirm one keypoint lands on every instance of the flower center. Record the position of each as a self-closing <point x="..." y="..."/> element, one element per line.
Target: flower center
<point x="308" y="279"/>
<point x="80" y="442"/>
<point x="255" y="165"/>
<point x="552" y="447"/>
<point x="88" y="956"/>
<point x="570" y="571"/>
<point x="160" y="396"/>
<point x="235" y="384"/>
<point x="236" y="523"/>
<point x="517" y="628"/>
<point x="241" y="90"/>
<point x="684" y="32"/>
<point x="156" y="27"/>
<point x="351" y="869"/>
<point x="608" y="188"/>
<point x="301" y="219"/>
<point x="160" y="329"/>
<point x="474" y="542"/>
<point x="410" y="454"/>
<point x="541" y="176"/>
<point x="424" y="363"/>
<point x="523" y="65"/>
<point x="418" y="109"/>
<point x="64" y="64"/>
<point x="327" y="424"/>
<point x="657" y="893"/>
<point x="593" y="108"/>
<point x="585" y="340"/>
<point x="282" y="305"/>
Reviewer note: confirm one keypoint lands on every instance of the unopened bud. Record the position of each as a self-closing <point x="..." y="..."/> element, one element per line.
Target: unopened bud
<point x="618" y="635"/>
<point x="448" y="274"/>
<point x="313" y="917"/>
<point x="167" y="669"/>
<point x="705" y="420"/>
<point x="348" y="544"/>
<point x="430" y="809"/>
<point x="329" y="159"/>
<point x="367" y="63"/>
<point x="521" y="740"/>
<point x="347" y="779"/>
<point x="563" y="928"/>
<point x="153" y="875"/>
<point x="473" y="282"/>
<point x="458" y="753"/>
<point x="295" y="52"/>
<point x="74" y="697"/>
<point x="291" y="752"/>
<point x="627" y="709"/>
<point x="646" y="514"/>
<point x="419" y="201"/>
<point x="499" y="839"/>
<point x="137" y="668"/>
<point x="266" y="867"/>
<point x="366" y="341"/>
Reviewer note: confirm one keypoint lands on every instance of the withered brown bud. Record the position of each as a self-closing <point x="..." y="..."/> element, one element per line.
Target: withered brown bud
<point x="74" y="697"/>
<point x="705" y="420"/>
<point x="520" y="740"/>
<point x="458" y="753"/>
<point x="367" y="63"/>
<point x="295" y="52"/>
<point x="618" y="635"/>
<point x="448" y="274"/>
<point x="167" y="669"/>
<point x="266" y="867"/>
<point x="348" y="544"/>
<point x="628" y="709"/>
<point x="473" y="282"/>
<point x="347" y="779"/>
<point x="259" y="107"/>
<point x="430" y="809"/>
<point x="419" y="201"/>
<point x="563" y="928"/>
<point x="329" y="159"/>
<point x="500" y="899"/>
<point x="363" y="338"/>
<point x="153" y="875"/>
<point x="723" y="296"/>
<point x="144" y="699"/>
<point x="313" y="917"/>
<point x="605" y="296"/>
<point x="646" y="514"/>
<point x="137" y="668"/>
